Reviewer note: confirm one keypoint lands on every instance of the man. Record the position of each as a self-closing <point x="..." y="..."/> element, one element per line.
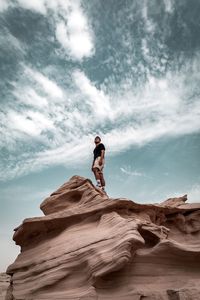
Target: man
<point x="98" y="162"/>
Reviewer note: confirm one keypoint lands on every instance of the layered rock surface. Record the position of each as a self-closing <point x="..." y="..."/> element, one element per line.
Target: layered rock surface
<point x="4" y="285"/>
<point x="89" y="246"/>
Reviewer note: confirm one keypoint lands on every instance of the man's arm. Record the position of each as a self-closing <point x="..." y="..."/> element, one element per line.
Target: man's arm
<point x="93" y="163"/>
<point x="102" y="157"/>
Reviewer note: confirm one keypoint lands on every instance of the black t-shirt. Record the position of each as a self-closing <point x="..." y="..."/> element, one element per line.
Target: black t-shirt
<point x="97" y="150"/>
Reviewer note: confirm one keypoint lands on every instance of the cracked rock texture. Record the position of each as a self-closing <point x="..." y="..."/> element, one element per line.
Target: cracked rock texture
<point x="88" y="246"/>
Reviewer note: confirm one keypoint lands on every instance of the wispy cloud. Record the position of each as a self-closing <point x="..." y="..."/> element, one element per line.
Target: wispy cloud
<point x="10" y="43"/>
<point x="96" y="99"/>
<point x="30" y="97"/>
<point x="128" y="171"/>
<point x="50" y="87"/>
<point x="3" y="5"/>
<point x="51" y="121"/>
<point x="65" y="127"/>
<point x="29" y="122"/>
<point x="147" y="21"/>
<point x="168" y="5"/>
<point x="75" y="32"/>
<point x="37" y="5"/>
<point x="72" y="28"/>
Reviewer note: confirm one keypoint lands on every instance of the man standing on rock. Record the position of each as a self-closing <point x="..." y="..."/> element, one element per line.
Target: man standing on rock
<point x="98" y="162"/>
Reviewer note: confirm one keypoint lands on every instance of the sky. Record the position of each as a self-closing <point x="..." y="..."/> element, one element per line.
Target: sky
<point x="126" y="70"/>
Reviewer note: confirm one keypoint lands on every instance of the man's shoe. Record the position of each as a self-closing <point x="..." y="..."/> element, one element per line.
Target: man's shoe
<point x="98" y="186"/>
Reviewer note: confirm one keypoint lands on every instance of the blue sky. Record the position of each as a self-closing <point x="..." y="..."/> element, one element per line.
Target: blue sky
<point x="128" y="71"/>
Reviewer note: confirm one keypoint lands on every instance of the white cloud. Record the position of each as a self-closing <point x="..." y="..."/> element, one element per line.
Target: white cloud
<point x="49" y="86"/>
<point x="36" y="5"/>
<point x="122" y="119"/>
<point x="75" y="36"/>
<point x="147" y="21"/>
<point x="68" y="155"/>
<point x="31" y="97"/>
<point x="168" y="5"/>
<point x="120" y="139"/>
<point x="72" y="28"/>
<point x="29" y="122"/>
<point x="63" y="119"/>
<point x="3" y="5"/>
<point x="98" y="101"/>
<point x="10" y="43"/>
<point x="39" y="6"/>
<point x="128" y="171"/>
<point x="22" y="123"/>
<point x="145" y="48"/>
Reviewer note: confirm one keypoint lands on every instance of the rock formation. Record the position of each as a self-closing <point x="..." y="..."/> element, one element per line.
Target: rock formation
<point x="89" y="246"/>
<point x="4" y="285"/>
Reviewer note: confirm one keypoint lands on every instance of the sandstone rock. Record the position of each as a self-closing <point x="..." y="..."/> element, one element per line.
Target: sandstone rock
<point x="4" y="285"/>
<point x="89" y="246"/>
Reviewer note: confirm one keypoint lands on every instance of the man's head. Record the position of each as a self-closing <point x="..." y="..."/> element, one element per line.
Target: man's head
<point x="97" y="140"/>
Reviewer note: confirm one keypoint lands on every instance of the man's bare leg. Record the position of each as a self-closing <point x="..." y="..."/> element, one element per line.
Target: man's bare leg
<point x="102" y="179"/>
<point x="99" y="177"/>
<point x="96" y="174"/>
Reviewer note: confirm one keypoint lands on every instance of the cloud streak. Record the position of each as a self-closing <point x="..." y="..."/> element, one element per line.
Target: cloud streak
<point x="155" y="112"/>
<point x="127" y="170"/>
<point x="72" y="28"/>
<point x="96" y="99"/>
<point x="75" y="32"/>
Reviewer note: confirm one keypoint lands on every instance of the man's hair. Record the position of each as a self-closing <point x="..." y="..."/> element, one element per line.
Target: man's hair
<point x="97" y="137"/>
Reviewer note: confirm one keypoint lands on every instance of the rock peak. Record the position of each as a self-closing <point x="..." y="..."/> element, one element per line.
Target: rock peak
<point x="90" y="246"/>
